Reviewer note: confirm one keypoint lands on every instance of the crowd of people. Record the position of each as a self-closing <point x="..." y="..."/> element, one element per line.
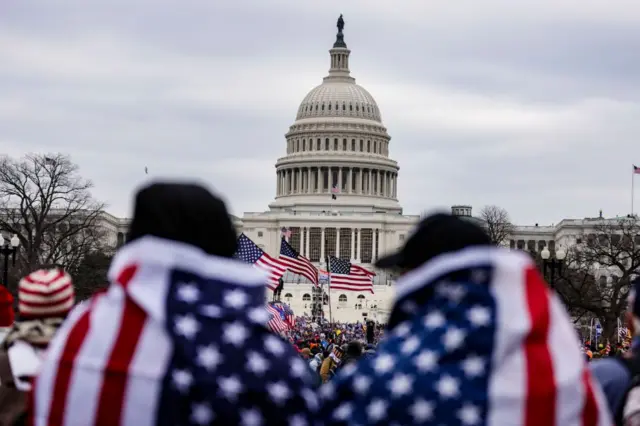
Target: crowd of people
<point x="180" y="337"/>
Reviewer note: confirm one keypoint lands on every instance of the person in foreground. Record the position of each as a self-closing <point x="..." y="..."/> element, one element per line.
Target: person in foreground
<point x="475" y="337"/>
<point x="179" y="338"/>
<point x="619" y="375"/>
<point x="45" y="297"/>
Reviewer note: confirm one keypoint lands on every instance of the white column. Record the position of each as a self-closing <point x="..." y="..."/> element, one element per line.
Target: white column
<point x="299" y="173"/>
<point x="374" y="240"/>
<point x="359" y="181"/>
<point x="340" y="178"/>
<point x="350" y="182"/>
<point x="378" y="181"/>
<point x="320" y="179"/>
<point x="307" y="242"/>
<point x="309" y="175"/>
<point x="302" y="241"/>
<point x="395" y="185"/>
<point x="353" y="246"/>
<point x="359" y="252"/>
<point x="370" y="189"/>
<point x="337" y="242"/>
<point x="322" y="246"/>
<point x="384" y="184"/>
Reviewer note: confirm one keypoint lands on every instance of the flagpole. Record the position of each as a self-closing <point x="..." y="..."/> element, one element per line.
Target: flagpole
<point x="329" y="284"/>
<point x="633" y="174"/>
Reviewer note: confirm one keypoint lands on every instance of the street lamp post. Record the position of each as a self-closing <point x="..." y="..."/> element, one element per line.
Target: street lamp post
<point x="8" y="249"/>
<point x="555" y="264"/>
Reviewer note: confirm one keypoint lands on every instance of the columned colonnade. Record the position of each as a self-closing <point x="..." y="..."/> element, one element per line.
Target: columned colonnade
<point x="350" y="180"/>
<point x="359" y="244"/>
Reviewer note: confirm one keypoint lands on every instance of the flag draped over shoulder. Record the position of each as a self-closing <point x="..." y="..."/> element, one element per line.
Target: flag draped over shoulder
<point x="296" y="263"/>
<point x="474" y="338"/>
<point x="346" y="276"/>
<point x="178" y="338"/>
<point x="249" y="252"/>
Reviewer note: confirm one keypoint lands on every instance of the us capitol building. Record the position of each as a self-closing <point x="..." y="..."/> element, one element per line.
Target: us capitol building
<point x="336" y="191"/>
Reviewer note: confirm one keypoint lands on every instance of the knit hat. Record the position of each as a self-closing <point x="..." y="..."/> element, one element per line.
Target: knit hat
<point x="7" y="315"/>
<point x="45" y="293"/>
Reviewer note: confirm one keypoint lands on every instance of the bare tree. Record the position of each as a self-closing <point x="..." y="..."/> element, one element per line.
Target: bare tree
<point x="598" y="271"/>
<point x="497" y="224"/>
<point x="49" y="206"/>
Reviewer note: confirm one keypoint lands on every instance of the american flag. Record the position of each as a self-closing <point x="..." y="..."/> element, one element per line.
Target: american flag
<point x="636" y="169"/>
<point x="249" y="252"/>
<point x="289" y="316"/>
<point x="345" y="276"/>
<point x="296" y="263"/>
<point x="178" y="338"/>
<point x="277" y="321"/>
<point x="474" y="338"/>
<point x="286" y="232"/>
<point x="335" y="191"/>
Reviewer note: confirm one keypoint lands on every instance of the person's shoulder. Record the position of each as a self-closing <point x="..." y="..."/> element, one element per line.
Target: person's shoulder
<point x="610" y="369"/>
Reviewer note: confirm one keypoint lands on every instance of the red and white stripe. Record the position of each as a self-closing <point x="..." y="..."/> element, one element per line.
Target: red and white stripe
<point x="276" y="324"/>
<point x="539" y="376"/>
<point x="301" y="266"/>
<point x="274" y="268"/>
<point x="107" y="362"/>
<point x="359" y="279"/>
<point x="45" y="292"/>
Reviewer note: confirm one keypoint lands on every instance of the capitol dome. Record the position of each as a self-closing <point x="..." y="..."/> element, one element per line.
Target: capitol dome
<point x="339" y="99"/>
<point x="337" y="148"/>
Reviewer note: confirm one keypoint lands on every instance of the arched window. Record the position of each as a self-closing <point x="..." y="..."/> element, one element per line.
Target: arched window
<point x="288" y="297"/>
<point x="342" y="298"/>
<point x="360" y="297"/>
<point x="305" y="297"/>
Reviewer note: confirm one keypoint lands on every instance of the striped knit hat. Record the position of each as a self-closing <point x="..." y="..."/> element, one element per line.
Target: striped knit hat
<point x="45" y="293"/>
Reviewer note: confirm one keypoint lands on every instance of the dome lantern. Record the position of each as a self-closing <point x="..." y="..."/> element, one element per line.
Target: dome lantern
<point x="339" y="57"/>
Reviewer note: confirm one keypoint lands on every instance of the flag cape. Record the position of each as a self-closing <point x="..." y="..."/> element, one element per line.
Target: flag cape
<point x="178" y="338"/>
<point x="475" y="338"/>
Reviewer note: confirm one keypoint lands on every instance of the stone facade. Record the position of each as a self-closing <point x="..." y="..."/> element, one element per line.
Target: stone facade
<point x="337" y="193"/>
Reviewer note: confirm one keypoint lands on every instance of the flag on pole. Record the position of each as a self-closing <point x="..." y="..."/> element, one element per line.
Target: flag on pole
<point x="636" y="170"/>
<point x="335" y="191"/>
<point x="276" y="321"/>
<point x="345" y="276"/>
<point x="296" y="263"/>
<point x="249" y="252"/>
<point x="289" y="316"/>
<point x="286" y="232"/>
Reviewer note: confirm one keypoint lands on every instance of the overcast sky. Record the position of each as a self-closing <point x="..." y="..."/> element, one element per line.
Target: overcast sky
<point x="533" y="106"/>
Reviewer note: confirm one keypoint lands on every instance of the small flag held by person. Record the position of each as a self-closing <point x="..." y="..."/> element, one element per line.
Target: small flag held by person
<point x="296" y="263"/>
<point x="346" y="276"/>
<point x="249" y="252"/>
<point x="276" y="322"/>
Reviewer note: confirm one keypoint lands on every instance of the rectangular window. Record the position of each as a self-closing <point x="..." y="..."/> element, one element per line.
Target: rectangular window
<point x="345" y="243"/>
<point x="330" y="241"/>
<point x="366" y="240"/>
<point x="315" y="234"/>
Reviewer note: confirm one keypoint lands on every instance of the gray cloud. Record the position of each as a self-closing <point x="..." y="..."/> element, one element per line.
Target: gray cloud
<point x="532" y="107"/>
